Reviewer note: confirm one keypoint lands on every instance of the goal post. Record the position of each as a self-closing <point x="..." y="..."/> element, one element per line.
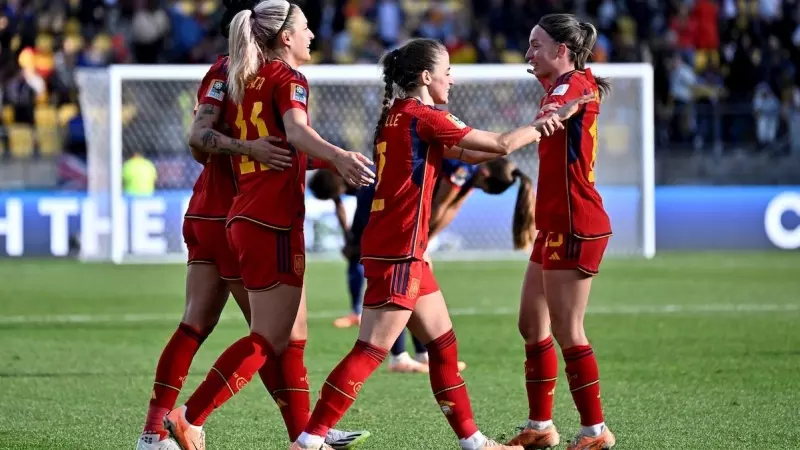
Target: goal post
<point x="147" y="109"/>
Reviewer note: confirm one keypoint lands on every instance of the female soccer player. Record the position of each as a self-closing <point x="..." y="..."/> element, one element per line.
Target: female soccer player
<point x="411" y="138"/>
<point x="573" y="233"/>
<point x="265" y="223"/>
<point x="492" y="177"/>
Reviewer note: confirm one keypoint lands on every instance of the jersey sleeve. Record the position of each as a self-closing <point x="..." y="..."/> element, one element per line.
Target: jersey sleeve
<point x="442" y="127"/>
<point x="212" y="89"/>
<point x="314" y="163"/>
<point x="567" y="91"/>
<point x="292" y="93"/>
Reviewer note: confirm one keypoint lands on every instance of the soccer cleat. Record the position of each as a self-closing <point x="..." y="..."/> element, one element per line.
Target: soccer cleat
<point x="350" y="320"/>
<point x="533" y="439"/>
<point x="606" y="440"/>
<point x="188" y="436"/>
<point x="155" y="441"/>
<point x="297" y="446"/>
<point x="491" y="444"/>
<point x="404" y="363"/>
<point x="423" y="358"/>
<point x="340" y="440"/>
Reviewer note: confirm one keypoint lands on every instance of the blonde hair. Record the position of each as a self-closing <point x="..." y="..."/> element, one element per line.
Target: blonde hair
<point x="253" y="34"/>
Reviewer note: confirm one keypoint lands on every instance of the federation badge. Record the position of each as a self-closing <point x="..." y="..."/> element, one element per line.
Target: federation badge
<point x="299" y="264"/>
<point x="413" y="288"/>
<point x="560" y="90"/>
<point x="456" y="121"/>
<point x="299" y="94"/>
<point x="217" y="90"/>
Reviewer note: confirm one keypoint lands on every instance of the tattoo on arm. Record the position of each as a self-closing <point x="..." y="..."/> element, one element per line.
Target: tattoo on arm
<point x="209" y="110"/>
<point x="210" y="139"/>
<point x="227" y="151"/>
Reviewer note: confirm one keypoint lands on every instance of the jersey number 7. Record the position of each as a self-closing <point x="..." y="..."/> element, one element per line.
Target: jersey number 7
<point x="246" y="165"/>
<point x="378" y="203"/>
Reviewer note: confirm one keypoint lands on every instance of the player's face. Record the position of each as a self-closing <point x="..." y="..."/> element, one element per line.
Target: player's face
<point x="301" y="37"/>
<point x="440" y="80"/>
<point x="542" y="52"/>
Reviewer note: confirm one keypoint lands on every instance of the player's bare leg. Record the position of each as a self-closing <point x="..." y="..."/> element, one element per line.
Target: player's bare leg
<point x="567" y="293"/>
<point x="206" y="295"/>
<point x="430" y="323"/>
<point x="541" y="364"/>
<point x="273" y="315"/>
<point x="379" y="329"/>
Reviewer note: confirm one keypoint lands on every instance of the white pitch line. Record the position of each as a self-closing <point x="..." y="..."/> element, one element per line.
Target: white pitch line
<point x="503" y="311"/>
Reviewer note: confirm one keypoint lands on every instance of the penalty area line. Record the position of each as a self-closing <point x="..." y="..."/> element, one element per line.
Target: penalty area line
<point x="455" y="312"/>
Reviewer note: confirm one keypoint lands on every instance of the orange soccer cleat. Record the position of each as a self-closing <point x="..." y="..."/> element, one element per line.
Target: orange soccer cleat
<point x="404" y="363"/>
<point x="188" y="436"/>
<point x="350" y="320"/>
<point x="423" y="358"/>
<point x="606" y="440"/>
<point x="533" y="439"/>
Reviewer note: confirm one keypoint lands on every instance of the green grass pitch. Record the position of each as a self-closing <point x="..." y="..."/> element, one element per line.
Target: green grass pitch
<point x="697" y="351"/>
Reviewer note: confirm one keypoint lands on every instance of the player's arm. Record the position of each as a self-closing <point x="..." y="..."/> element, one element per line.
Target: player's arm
<point x="446" y="194"/>
<point x="203" y="137"/>
<point x="351" y="165"/>
<point x="510" y="141"/>
<point x="341" y="216"/>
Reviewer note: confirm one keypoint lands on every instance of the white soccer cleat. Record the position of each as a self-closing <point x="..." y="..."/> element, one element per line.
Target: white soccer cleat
<point x="153" y="441"/>
<point x="341" y="440"/>
<point x="404" y="363"/>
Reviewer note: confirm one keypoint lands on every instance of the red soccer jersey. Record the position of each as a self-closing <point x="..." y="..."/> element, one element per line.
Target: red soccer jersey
<point x="566" y="198"/>
<point x="275" y="199"/>
<point x="409" y="157"/>
<point x="215" y="188"/>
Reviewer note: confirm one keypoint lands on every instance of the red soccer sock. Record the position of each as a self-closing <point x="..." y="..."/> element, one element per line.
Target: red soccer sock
<point x="287" y="382"/>
<point x="448" y="387"/>
<point x="342" y="386"/>
<point x="541" y="373"/>
<point x="230" y="373"/>
<point x="171" y="371"/>
<point x="584" y="383"/>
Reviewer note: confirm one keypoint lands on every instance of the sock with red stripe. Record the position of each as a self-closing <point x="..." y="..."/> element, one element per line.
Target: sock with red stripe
<point x="287" y="382"/>
<point x="584" y="383"/>
<point x="231" y="372"/>
<point x="342" y="387"/>
<point x="541" y="373"/>
<point x="171" y="371"/>
<point x="448" y="387"/>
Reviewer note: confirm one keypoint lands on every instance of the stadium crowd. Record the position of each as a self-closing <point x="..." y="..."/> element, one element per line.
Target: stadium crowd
<point x="726" y="71"/>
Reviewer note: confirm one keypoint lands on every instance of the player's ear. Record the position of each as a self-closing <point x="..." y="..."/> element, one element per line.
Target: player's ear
<point x="561" y="49"/>
<point x="427" y="79"/>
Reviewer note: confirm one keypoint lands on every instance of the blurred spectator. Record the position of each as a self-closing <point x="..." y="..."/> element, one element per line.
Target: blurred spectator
<point x="139" y="176"/>
<point x="150" y="29"/>
<point x="766" y="110"/>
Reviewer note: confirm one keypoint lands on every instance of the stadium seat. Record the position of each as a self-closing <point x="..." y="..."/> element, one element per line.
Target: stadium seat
<point x="8" y="115"/>
<point x="45" y="119"/>
<point x="66" y="113"/>
<point x="20" y="140"/>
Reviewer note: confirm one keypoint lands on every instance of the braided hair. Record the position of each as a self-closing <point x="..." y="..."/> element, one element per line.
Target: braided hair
<point x="402" y="67"/>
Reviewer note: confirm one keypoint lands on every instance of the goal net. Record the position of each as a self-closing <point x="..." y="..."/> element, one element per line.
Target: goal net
<point x="148" y="110"/>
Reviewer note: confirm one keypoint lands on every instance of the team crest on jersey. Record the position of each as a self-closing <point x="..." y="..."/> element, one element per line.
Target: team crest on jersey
<point x="413" y="288"/>
<point x="299" y="264"/>
<point x="299" y="94"/>
<point x="216" y="90"/>
<point x="456" y="121"/>
<point x="560" y="90"/>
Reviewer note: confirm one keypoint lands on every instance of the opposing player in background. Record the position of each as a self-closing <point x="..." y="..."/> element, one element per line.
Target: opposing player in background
<point x="492" y="177"/>
<point x="265" y="222"/>
<point x="573" y="233"/>
<point x="411" y="138"/>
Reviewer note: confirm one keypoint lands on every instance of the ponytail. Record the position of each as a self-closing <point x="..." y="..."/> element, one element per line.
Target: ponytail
<point x="389" y="63"/>
<point x="585" y="51"/>
<point x="246" y="55"/>
<point x="523" y="228"/>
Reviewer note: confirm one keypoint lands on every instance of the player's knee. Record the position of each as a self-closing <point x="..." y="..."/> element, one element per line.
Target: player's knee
<point x="533" y="330"/>
<point x="201" y="318"/>
<point x="569" y="332"/>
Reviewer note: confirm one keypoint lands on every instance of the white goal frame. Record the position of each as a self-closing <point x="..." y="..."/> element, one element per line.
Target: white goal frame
<point x="369" y="72"/>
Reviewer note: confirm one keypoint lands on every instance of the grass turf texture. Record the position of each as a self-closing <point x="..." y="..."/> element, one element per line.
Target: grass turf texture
<point x="695" y="351"/>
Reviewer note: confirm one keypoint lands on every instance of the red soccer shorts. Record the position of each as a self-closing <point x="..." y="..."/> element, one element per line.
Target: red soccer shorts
<point x="561" y="251"/>
<point x="398" y="283"/>
<point x="268" y="257"/>
<point x="208" y="244"/>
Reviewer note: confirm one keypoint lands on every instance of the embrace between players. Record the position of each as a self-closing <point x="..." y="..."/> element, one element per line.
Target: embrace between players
<point x="244" y="231"/>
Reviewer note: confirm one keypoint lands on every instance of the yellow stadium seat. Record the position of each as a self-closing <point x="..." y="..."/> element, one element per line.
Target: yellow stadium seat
<point x="66" y="113"/>
<point x="20" y="140"/>
<point x="45" y="118"/>
<point x="8" y="114"/>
